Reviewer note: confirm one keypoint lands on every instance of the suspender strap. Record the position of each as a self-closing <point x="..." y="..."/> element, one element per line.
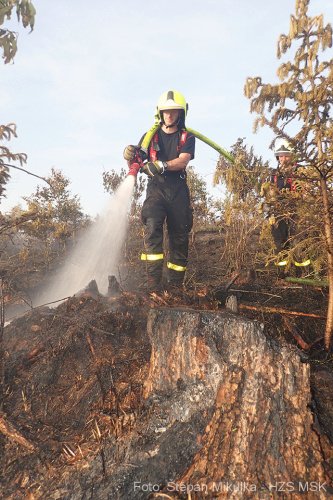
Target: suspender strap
<point x="153" y="147"/>
<point x="182" y="140"/>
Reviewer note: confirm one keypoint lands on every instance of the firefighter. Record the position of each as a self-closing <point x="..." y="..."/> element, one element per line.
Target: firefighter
<point x="283" y="181"/>
<point x="282" y="228"/>
<point x="167" y="198"/>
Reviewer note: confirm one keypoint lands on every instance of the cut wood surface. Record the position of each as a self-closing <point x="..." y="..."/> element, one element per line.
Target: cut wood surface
<point x="261" y="430"/>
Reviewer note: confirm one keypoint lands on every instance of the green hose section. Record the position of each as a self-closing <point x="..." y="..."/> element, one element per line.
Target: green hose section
<point x="212" y="144"/>
<point x="148" y="137"/>
<point x="151" y="132"/>
<point x="307" y="281"/>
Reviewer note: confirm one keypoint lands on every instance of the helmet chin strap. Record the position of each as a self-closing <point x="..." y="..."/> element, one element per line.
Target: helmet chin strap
<point x="174" y="124"/>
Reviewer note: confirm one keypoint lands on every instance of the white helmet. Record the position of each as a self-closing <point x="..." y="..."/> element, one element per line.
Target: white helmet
<point x="282" y="147"/>
<point x="172" y="99"/>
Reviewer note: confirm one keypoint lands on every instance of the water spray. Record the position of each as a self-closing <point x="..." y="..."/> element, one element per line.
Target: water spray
<point x="97" y="253"/>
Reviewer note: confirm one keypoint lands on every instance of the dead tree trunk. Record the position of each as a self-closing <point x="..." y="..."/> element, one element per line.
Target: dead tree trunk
<point x="260" y="437"/>
<point x="2" y="352"/>
<point x="329" y="248"/>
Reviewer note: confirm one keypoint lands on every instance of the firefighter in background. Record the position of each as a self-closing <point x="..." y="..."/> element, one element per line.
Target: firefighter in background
<point x="167" y="197"/>
<point x="283" y="181"/>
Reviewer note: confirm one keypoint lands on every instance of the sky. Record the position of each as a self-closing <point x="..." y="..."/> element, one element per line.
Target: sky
<point x="86" y="81"/>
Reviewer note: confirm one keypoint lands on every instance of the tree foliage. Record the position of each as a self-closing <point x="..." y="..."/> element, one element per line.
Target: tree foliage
<point x="7" y="132"/>
<point x="242" y="218"/>
<point x="34" y="240"/>
<point x="58" y="213"/>
<point x="244" y="177"/>
<point x="299" y="108"/>
<point x="25" y="12"/>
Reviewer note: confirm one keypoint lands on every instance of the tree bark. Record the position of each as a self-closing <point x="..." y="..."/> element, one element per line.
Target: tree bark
<point x="329" y="248"/>
<point x="260" y="436"/>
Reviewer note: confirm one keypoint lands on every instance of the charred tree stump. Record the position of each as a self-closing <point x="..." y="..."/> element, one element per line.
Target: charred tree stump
<point x="260" y="437"/>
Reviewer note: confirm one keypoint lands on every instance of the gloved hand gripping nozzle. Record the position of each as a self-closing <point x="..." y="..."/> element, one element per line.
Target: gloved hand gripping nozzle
<point x="135" y="156"/>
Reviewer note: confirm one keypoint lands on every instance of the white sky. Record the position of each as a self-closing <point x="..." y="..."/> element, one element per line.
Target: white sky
<point x="85" y="83"/>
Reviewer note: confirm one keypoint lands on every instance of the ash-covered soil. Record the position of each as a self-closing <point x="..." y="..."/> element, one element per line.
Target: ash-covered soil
<point x="74" y="378"/>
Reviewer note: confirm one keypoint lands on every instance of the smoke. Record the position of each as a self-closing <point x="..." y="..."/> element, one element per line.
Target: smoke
<point x="97" y="253"/>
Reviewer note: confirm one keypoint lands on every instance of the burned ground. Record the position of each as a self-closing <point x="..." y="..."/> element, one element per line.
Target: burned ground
<point x="74" y="379"/>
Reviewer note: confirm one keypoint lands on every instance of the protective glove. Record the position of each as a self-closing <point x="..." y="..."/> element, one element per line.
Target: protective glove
<point x="130" y="152"/>
<point x="297" y="185"/>
<point x="152" y="168"/>
<point x="134" y="169"/>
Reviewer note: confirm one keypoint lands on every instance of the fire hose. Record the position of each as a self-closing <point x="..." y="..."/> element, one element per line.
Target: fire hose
<point x="142" y="153"/>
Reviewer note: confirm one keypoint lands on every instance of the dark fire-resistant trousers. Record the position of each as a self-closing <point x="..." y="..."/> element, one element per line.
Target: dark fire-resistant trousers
<point x="282" y="230"/>
<point x="167" y="201"/>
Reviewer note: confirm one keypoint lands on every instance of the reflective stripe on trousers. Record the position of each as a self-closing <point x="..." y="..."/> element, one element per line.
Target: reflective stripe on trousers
<point x="152" y="256"/>
<point x="305" y="263"/>
<point x="175" y="267"/>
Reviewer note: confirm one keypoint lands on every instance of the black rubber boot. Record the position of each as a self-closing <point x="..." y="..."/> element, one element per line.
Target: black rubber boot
<point x="154" y="284"/>
<point x="176" y="278"/>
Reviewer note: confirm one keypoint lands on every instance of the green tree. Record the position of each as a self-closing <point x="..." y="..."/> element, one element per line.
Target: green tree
<point x="242" y="219"/>
<point x="58" y="213"/>
<point x="35" y="238"/>
<point x="299" y="108"/>
<point x="244" y="177"/>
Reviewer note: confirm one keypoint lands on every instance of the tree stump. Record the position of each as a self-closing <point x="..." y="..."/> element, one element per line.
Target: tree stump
<point x="260" y="438"/>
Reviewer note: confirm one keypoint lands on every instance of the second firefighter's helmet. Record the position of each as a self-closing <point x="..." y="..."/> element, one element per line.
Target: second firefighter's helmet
<point x="171" y="99"/>
<point x="282" y="147"/>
